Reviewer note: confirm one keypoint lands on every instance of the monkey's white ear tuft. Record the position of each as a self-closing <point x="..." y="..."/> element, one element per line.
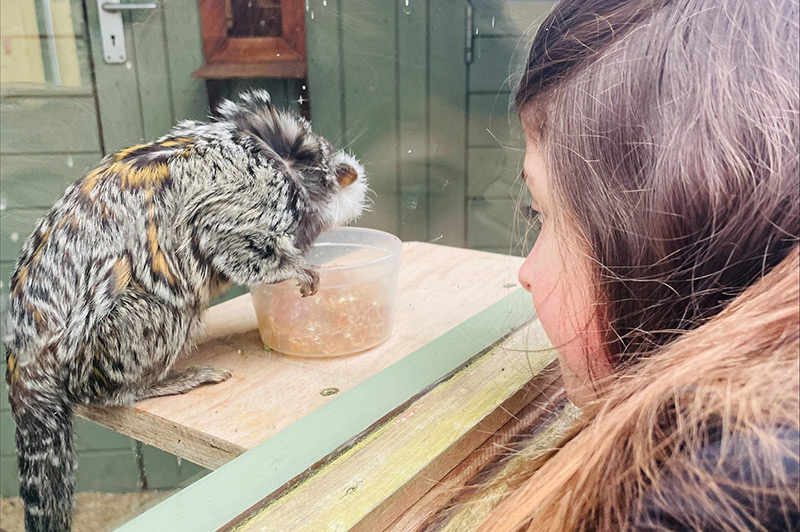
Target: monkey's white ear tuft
<point x="229" y="109"/>
<point x="256" y="96"/>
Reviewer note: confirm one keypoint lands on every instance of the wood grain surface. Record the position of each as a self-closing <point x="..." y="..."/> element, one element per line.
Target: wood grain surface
<point x="439" y="287"/>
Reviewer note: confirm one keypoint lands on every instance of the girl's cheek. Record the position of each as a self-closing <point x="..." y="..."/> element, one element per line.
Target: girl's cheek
<point x="539" y="275"/>
<point x="556" y="289"/>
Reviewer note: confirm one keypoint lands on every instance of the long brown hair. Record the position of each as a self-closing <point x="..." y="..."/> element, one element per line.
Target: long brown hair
<point x="670" y="131"/>
<point x="737" y="378"/>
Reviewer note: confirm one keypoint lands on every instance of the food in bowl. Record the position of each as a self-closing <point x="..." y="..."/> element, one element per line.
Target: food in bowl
<point x="354" y="308"/>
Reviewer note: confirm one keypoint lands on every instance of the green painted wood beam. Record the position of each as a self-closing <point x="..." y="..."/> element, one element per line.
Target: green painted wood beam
<point x="228" y="492"/>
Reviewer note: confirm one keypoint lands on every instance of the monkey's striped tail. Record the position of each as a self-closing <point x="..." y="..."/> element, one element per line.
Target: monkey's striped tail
<point x="45" y="453"/>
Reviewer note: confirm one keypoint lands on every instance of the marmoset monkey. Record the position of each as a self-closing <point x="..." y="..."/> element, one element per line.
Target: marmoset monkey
<point x="109" y="288"/>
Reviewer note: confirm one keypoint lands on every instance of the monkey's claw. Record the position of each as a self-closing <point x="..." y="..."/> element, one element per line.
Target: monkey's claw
<point x="309" y="283"/>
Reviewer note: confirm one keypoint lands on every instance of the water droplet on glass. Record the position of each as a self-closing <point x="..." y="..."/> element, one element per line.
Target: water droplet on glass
<point x="493" y="22"/>
<point x="304" y="87"/>
<point x="324" y="3"/>
<point x="3" y="202"/>
<point x="306" y="5"/>
<point x="70" y="162"/>
<point x="129" y="65"/>
<point x="406" y="3"/>
<point x="437" y="239"/>
<point x="409" y="151"/>
<point x="263" y="23"/>
<point x="14" y="237"/>
<point x="179" y="460"/>
<point x="476" y="31"/>
<point x="312" y="15"/>
<point x="411" y="203"/>
<point x="277" y="55"/>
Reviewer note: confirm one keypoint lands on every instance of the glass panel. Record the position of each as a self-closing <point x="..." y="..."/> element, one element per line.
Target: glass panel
<point x="254" y="18"/>
<point x="43" y="45"/>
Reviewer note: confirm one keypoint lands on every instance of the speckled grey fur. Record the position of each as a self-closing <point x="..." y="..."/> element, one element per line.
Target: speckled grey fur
<point x="109" y="288"/>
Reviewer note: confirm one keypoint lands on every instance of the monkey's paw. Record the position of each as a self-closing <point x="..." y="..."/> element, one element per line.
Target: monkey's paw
<point x="209" y="375"/>
<point x="309" y="282"/>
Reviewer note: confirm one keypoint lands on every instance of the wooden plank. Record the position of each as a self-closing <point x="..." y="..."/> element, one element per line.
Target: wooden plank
<point x="15" y="226"/>
<point x="152" y="70"/>
<point x="498" y="223"/>
<point x="31" y="90"/>
<point x="498" y="64"/>
<point x="468" y="516"/>
<point x="423" y="511"/>
<point x="412" y="94"/>
<point x="448" y="93"/>
<point x="519" y="250"/>
<point x="494" y="172"/>
<point x="325" y="77"/>
<point x="277" y="88"/>
<point x="117" y="89"/>
<point x="510" y="17"/>
<point x="371" y="484"/>
<point x="185" y="52"/>
<point x="36" y="181"/>
<point x="41" y="125"/>
<point x="276" y="70"/>
<point x="493" y="122"/>
<point x="370" y="88"/>
<point x="222" y="496"/>
<point x="268" y="391"/>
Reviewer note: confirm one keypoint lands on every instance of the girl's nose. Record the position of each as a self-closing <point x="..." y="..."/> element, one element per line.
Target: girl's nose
<point x="525" y="275"/>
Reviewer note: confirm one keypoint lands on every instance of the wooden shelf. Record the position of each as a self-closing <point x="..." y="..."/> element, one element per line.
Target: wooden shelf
<point x="268" y="391"/>
<point x="274" y="69"/>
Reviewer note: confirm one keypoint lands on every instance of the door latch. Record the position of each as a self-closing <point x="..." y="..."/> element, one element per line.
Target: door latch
<point x="111" y="31"/>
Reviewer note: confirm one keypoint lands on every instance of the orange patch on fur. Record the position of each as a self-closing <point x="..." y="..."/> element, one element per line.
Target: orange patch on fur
<point x="21" y="276"/>
<point x="159" y="261"/>
<point x="91" y="180"/>
<point x="37" y="254"/>
<point x="122" y="275"/>
<point x="122" y="154"/>
<point x="144" y="177"/>
<point x="11" y="366"/>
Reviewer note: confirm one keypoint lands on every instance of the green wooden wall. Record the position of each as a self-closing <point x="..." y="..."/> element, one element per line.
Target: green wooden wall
<point x="49" y="137"/>
<point x="387" y="80"/>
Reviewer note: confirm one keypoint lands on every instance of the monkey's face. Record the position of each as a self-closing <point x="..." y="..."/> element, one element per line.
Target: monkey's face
<point x="335" y="188"/>
<point x="331" y="183"/>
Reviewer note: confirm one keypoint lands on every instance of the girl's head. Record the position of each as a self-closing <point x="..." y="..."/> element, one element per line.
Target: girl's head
<point x="662" y="151"/>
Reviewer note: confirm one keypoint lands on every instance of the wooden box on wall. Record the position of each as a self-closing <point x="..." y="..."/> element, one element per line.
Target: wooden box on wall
<point x="253" y="39"/>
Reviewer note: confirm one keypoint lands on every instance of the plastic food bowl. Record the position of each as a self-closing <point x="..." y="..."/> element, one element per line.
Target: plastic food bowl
<point x="354" y="308"/>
